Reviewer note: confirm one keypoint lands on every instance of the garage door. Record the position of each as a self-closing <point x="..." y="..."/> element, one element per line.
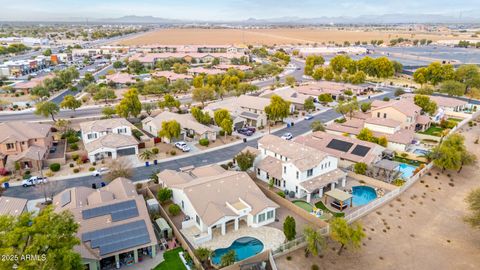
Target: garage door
<point x="126" y="151"/>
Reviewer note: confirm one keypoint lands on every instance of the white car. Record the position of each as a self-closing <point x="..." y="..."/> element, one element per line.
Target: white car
<point x="100" y="171"/>
<point x="34" y="180"/>
<point x="287" y="136"/>
<point x="182" y="146"/>
<point x="308" y="117"/>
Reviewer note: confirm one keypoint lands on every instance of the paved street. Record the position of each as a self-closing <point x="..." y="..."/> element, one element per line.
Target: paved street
<point x="142" y="173"/>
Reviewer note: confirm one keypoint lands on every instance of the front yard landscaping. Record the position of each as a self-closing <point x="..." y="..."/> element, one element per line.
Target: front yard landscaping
<point x="172" y="260"/>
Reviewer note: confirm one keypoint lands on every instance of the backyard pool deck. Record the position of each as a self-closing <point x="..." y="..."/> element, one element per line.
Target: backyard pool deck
<point x="272" y="238"/>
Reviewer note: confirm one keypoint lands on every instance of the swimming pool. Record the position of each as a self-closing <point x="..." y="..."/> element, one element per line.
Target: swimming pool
<point x="406" y="170"/>
<point x="244" y="247"/>
<point x="363" y="195"/>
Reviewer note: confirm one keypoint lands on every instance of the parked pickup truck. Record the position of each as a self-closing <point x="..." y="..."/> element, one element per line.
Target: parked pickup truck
<point x="34" y="180"/>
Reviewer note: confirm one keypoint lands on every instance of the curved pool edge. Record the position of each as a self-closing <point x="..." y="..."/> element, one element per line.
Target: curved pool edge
<point x="251" y="238"/>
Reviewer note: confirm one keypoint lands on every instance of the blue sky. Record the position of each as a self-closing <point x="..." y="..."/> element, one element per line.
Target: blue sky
<point x="227" y="9"/>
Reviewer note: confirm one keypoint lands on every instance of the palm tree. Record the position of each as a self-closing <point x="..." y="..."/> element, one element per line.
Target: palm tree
<point x="315" y="241"/>
<point x="228" y="258"/>
<point x="146" y="155"/>
<point x="203" y="254"/>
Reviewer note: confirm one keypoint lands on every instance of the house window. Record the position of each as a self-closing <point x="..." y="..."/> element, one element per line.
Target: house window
<point x="92" y="136"/>
<point x="109" y="130"/>
<point x="310" y="172"/>
<point x="321" y="167"/>
<point x="283" y="183"/>
<point x="275" y="154"/>
<point x="296" y="189"/>
<point x="268" y="176"/>
<point x="261" y="217"/>
<point x="270" y="214"/>
<point x="297" y="174"/>
<point x="284" y="169"/>
<point x="122" y="130"/>
<point x="378" y="114"/>
<point x="384" y="115"/>
<point x="183" y="205"/>
<point x="197" y="219"/>
<point x="258" y="171"/>
<point x="10" y="146"/>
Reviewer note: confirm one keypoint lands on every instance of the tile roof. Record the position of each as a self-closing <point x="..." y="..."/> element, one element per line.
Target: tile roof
<point x="272" y="166"/>
<point x="322" y="180"/>
<point x="104" y="124"/>
<point x="302" y="156"/>
<point x="404" y="106"/>
<point x="185" y="120"/>
<point x="12" y="206"/>
<point x="22" y="131"/>
<point x="383" y="122"/>
<point x="121" y="78"/>
<point x="111" y="140"/>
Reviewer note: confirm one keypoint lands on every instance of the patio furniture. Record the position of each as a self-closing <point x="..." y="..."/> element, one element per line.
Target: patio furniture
<point x="339" y="198"/>
<point x="338" y="205"/>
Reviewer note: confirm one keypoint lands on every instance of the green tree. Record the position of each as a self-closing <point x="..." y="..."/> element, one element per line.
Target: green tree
<point x="227" y="126"/>
<point x="469" y="75"/>
<point x="149" y="107"/>
<point x="135" y="66"/>
<point x="130" y="105"/>
<point x="365" y="134"/>
<point x="169" y="102"/>
<point x="399" y="92"/>
<point x="201" y="116"/>
<point x="317" y="125"/>
<point x="360" y="168"/>
<point x="358" y="78"/>
<point x="70" y="102"/>
<point x="203" y="94"/>
<point x="315" y="241"/>
<point x="228" y="258"/>
<point x="328" y="74"/>
<point x="429" y="106"/>
<point x="180" y="68"/>
<point x="278" y="108"/>
<point x="290" y="80"/>
<point x="289" y="228"/>
<point x="473" y="202"/>
<point x="48" y="234"/>
<point x="245" y="160"/>
<point x="198" y="81"/>
<point x="366" y="106"/>
<point x="46" y="109"/>
<point x="180" y="86"/>
<point x="318" y="74"/>
<point x="452" y="88"/>
<point x="40" y="91"/>
<point x="325" y="98"/>
<point x="47" y="52"/>
<point x="452" y="153"/>
<point x="170" y="129"/>
<point x="108" y="112"/>
<point x="345" y="234"/>
<point x="309" y="104"/>
<point x="117" y="64"/>
<point x="220" y="115"/>
<point x="311" y="62"/>
<point x="347" y="107"/>
<point x="339" y="63"/>
<point x="105" y="93"/>
<point x="425" y="90"/>
<point x="383" y="67"/>
<point x="164" y="194"/>
<point x="420" y="76"/>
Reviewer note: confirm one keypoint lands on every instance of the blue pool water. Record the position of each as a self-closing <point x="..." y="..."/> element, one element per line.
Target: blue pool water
<point x="244" y="247"/>
<point x="363" y="195"/>
<point x="406" y="170"/>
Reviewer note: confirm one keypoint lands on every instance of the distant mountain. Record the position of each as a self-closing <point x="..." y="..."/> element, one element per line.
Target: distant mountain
<point x="470" y="17"/>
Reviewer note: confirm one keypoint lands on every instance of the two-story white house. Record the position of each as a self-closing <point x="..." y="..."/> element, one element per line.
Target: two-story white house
<point x="212" y="198"/>
<point x="296" y="168"/>
<point x="108" y="138"/>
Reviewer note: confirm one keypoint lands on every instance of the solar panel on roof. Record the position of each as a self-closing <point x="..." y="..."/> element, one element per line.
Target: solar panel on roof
<point x="66" y="198"/>
<point x="360" y="150"/>
<point x="118" y="237"/>
<point x="118" y="211"/>
<point x="339" y="145"/>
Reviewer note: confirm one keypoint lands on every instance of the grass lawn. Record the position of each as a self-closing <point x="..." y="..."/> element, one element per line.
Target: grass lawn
<point x="320" y="205"/>
<point x="433" y="130"/>
<point x="172" y="260"/>
<point x="455" y="119"/>
<point x="304" y="205"/>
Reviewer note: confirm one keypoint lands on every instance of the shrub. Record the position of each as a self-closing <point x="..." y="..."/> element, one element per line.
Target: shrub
<point x="221" y="133"/>
<point x="230" y="164"/>
<point x="289" y="228"/>
<point x="79" y="161"/>
<point x="4" y="171"/>
<point x="314" y="267"/>
<point x="71" y="165"/>
<point x="404" y="155"/>
<point x="91" y="169"/>
<point x="204" y="142"/>
<point x="137" y="133"/>
<point x="75" y="156"/>
<point x="173" y="152"/>
<point x="281" y="194"/>
<point x="72" y="139"/>
<point x="76" y="170"/>
<point x="139" y="185"/>
<point x="94" y="163"/>
<point x="55" y="167"/>
<point x="74" y="147"/>
<point x="164" y="194"/>
<point x="174" y="209"/>
<point x="84" y="159"/>
<point x="386" y="99"/>
<point x="224" y="166"/>
<point x="360" y="168"/>
<point x="155" y="151"/>
<point x="398" y="182"/>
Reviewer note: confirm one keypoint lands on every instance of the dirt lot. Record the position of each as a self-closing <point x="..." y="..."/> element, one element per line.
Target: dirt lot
<point x="422" y="229"/>
<point x="269" y="36"/>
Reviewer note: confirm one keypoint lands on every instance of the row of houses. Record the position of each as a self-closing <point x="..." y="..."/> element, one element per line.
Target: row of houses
<point x="186" y="49"/>
<point x="150" y="59"/>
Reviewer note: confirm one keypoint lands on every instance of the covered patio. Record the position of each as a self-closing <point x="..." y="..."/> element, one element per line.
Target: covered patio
<point x="340" y="197"/>
<point x="314" y="188"/>
<point x="385" y="169"/>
